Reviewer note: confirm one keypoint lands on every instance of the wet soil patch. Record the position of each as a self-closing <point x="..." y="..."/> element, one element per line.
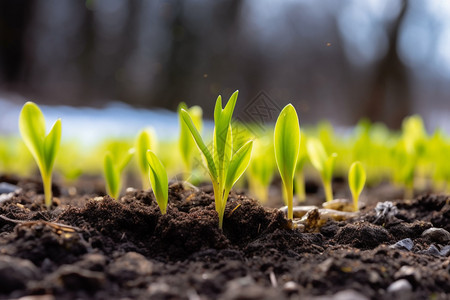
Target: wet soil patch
<point x="94" y="247"/>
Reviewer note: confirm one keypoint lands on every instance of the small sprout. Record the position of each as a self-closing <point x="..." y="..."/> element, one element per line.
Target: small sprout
<point x="261" y="168"/>
<point x="356" y="182"/>
<point x="287" y="144"/>
<point x="159" y="181"/>
<point x="146" y="140"/>
<point x="43" y="147"/>
<point x="114" y="164"/>
<point x="186" y="141"/>
<point x="224" y="167"/>
<point x="323" y="163"/>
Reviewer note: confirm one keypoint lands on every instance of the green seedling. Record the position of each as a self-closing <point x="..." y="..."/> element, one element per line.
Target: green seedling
<point x="159" y="180"/>
<point x="356" y="182"/>
<point x="186" y="142"/>
<point x="42" y="147"/>
<point x="146" y="140"/>
<point x="224" y="166"/>
<point x="113" y="166"/>
<point x="261" y="168"/>
<point x="323" y="163"/>
<point x="414" y="138"/>
<point x="287" y="146"/>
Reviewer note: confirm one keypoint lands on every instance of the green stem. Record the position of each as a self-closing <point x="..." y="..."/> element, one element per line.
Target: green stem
<point x="290" y="200"/>
<point x="218" y="202"/>
<point x="47" y="181"/>
<point x="328" y="190"/>
<point x="355" y="202"/>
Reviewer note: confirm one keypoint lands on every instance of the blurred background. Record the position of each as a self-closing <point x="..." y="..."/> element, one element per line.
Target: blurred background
<point x="334" y="60"/>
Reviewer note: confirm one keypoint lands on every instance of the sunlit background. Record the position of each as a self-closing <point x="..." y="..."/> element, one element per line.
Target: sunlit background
<point x="334" y="60"/>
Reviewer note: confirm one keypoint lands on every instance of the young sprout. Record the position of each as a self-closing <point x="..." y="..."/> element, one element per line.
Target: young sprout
<point x="42" y="147"/>
<point x="146" y="140"/>
<point x="261" y="168"/>
<point x="323" y="163"/>
<point x="287" y="145"/>
<point x="356" y="181"/>
<point x="224" y="167"/>
<point x="186" y="141"/>
<point x="159" y="180"/>
<point x="414" y="140"/>
<point x="115" y="162"/>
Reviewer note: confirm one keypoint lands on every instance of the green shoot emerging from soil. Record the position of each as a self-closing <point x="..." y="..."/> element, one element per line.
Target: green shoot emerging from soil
<point x="261" y="168"/>
<point x="356" y="182"/>
<point x="287" y="145"/>
<point x="114" y="164"/>
<point x="224" y="167"/>
<point x="43" y="147"/>
<point x="323" y="163"/>
<point x="159" y="180"/>
<point x="145" y="140"/>
<point x="186" y="142"/>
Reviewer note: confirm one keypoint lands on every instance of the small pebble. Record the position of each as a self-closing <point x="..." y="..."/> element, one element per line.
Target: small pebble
<point x="432" y="250"/>
<point x="290" y="287"/>
<point x="406" y="244"/>
<point x="339" y="204"/>
<point x="407" y="272"/>
<point x="437" y="235"/>
<point x="386" y="212"/>
<point x="400" y="286"/>
<point x="6" y="188"/>
<point x="344" y="295"/>
<point x="445" y="251"/>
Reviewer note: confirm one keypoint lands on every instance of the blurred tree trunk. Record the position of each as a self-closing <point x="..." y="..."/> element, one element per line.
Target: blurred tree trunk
<point x="15" y="15"/>
<point x="389" y="96"/>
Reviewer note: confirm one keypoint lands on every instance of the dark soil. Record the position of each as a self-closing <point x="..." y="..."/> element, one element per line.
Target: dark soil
<point x="127" y="249"/>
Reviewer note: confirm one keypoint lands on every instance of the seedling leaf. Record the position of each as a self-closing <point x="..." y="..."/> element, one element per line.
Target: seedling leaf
<point x="43" y="148"/>
<point x="287" y="145"/>
<point x="186" y="142"/>
<point x="159" y="180"/>
<point x="316" y="153"/>
<point x="238" y="164"/>
<point x="323" y="163"/>
<point x="356" y="181"/>
<point x="51" y="145"/>
<point x="199" y="141"/>
<point x="112" y="176"/>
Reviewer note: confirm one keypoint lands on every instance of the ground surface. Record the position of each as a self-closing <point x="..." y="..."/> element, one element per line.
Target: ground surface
<point x="127" y="249"/>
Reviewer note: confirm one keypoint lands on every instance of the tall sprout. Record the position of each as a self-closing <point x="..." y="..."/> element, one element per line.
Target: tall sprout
<point x="146" y="140"/>
<point x="287" y="144"/>
<point x="261" y="168"/>
<point x="224" y="165"/>
<point x="324" y="163"/>
<point x="43" y="147"/>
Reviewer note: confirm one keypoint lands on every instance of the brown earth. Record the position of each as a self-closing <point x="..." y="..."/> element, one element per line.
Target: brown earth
<point x="99" y="248"/>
